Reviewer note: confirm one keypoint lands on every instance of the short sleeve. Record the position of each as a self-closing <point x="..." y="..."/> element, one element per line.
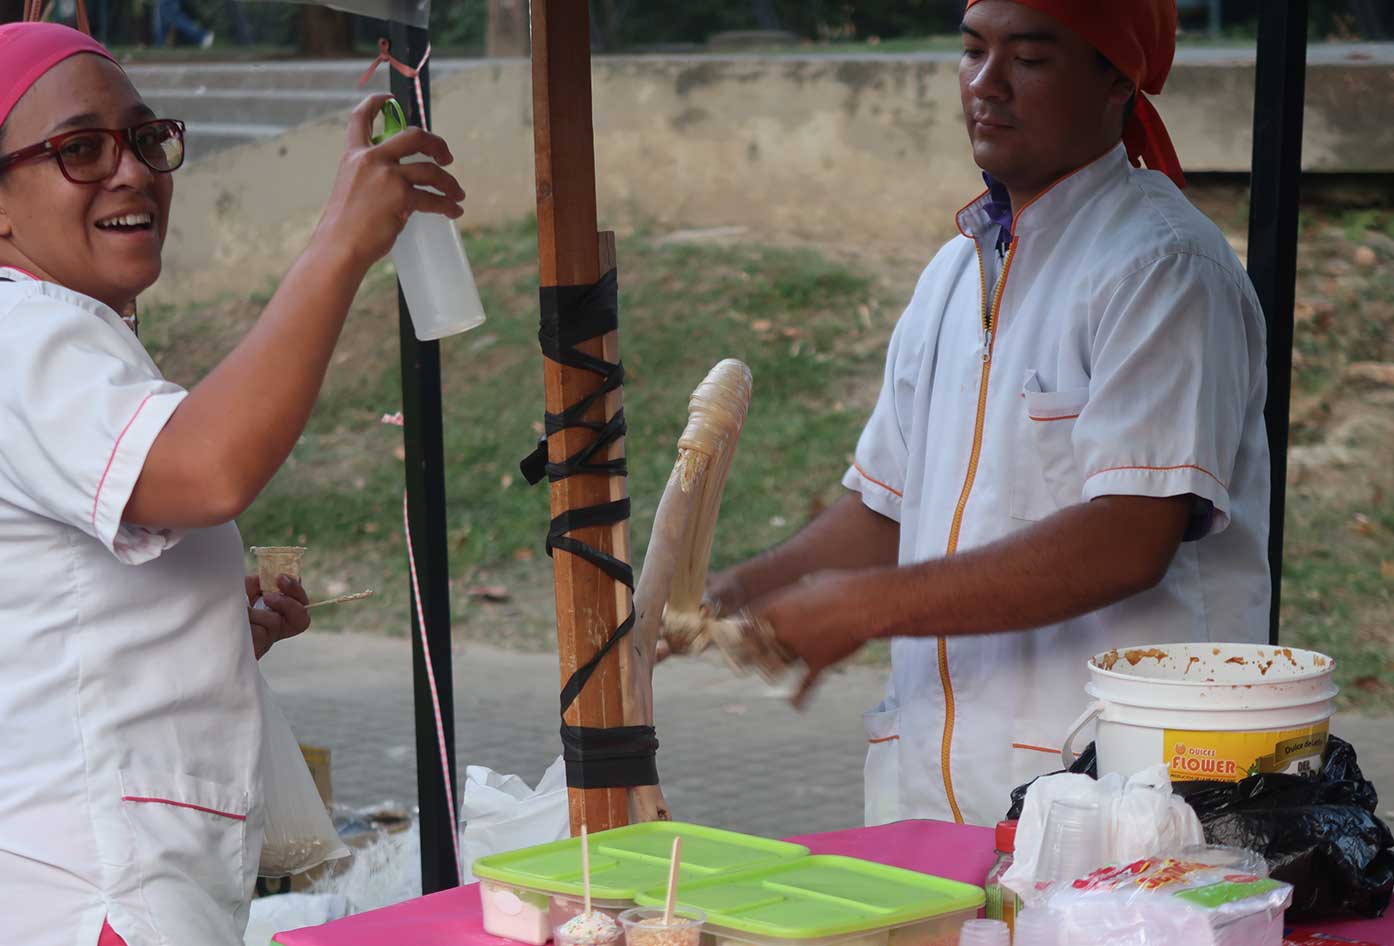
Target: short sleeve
<point x="1172" y="373"/>
<point x="879" y="464"/>
<point x="80" y="407"/>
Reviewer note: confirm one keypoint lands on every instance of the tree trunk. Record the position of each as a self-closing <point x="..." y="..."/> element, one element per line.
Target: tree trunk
<point x="508" y="28"/>
<point x="325" y="33"/>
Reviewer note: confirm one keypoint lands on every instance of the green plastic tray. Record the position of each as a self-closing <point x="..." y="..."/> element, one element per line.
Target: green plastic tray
<point x="627" y="860"/>
<point x="820" y="896"/>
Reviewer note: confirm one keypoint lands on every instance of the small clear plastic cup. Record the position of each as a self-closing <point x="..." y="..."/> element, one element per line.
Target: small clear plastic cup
<point x="588" y="929"/>
<point x="1036" y="926"/>
<point x="275" y="560"/>
<point x="985" y="933"/>
<point x="645" y="926"/>
<point x="1075" y="843"/>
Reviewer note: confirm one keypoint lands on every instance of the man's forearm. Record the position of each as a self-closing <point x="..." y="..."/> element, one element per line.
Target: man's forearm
<point x="847" y="535"/>
<point x="1081" y="559"/>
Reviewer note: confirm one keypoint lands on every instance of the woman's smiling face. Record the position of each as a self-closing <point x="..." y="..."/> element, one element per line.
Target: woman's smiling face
<point x="61" y="231"/>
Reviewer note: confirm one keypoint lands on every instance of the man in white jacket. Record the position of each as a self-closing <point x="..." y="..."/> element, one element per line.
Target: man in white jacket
<point x="1068" y="452"/>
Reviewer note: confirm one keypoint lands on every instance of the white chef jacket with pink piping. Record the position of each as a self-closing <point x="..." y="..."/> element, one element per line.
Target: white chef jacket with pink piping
<point x="130" y="763"/>
<point x="1126" y="358"/>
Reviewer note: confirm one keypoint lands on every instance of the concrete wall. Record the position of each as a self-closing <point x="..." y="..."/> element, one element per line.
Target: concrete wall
<point x="834" y="148"/>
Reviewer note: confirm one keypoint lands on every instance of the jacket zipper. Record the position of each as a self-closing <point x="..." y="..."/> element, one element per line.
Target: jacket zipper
<point x="989" y="325"/>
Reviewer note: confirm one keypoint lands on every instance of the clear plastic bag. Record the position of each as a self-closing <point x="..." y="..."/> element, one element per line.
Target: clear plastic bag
<point x="299" y="832"/>
<point x="1203" y="896"/>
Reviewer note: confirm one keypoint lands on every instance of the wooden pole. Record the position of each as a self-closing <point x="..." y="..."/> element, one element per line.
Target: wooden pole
<point x="589" y="606"/>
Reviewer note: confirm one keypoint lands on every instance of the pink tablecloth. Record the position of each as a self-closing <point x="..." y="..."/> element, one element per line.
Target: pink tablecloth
<point x="959" y="852"/>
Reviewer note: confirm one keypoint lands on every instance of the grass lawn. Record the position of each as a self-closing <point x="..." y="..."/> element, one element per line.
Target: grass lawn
<point x="1339" y="543"/>
<point x="813" y="329"/>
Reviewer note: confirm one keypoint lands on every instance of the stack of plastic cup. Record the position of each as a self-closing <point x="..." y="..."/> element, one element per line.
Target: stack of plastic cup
<point x="983" y="933"/>
<point x="1076" y="841"/>
<point x="1037" y="926"/>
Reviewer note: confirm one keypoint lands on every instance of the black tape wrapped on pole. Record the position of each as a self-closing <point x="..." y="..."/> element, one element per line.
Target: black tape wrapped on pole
<point x="617" y="756"/>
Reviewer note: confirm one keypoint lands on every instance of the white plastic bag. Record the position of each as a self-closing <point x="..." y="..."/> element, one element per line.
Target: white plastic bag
<point x="502" y="814"/>
<point x="299" y="832"/>
<point x="1143" y="819"/>
<point x="384" y="872"/>
<point x="1198" y="897"/>
<point x="291" y="911"/>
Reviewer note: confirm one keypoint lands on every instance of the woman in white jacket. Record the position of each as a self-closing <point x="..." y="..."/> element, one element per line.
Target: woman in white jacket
<point x="130" y="808"/>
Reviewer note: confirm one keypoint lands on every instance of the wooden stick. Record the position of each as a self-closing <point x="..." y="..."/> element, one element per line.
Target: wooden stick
<point x="586" y="866"/>
<point x="673" y="863"/>
<point x="342" y="599"/>
<point x="588" y="606"/>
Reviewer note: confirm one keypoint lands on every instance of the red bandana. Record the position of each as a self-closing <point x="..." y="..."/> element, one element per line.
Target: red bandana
<point x="1139" y="38"/>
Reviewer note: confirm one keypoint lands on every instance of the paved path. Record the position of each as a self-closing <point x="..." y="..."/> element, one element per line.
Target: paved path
<point x="734" y="753"/>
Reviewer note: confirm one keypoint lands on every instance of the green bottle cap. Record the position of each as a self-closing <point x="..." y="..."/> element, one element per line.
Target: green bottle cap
<point x="394" y="120"/>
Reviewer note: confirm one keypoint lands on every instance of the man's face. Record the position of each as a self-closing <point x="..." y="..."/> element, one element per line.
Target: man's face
<point x="51" y="225"/>
<point x="1037" y="100"/>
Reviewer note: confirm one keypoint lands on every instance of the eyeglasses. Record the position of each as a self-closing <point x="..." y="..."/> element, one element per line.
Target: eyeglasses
<point x="92" y="155"/>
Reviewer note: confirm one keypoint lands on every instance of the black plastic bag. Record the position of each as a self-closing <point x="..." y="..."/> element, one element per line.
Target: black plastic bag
<point x="1087" y="763"/>
<point x="1320" y="835"/>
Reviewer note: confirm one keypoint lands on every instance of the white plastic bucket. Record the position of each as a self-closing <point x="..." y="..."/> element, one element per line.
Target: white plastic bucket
<point x="1210" y="711"/>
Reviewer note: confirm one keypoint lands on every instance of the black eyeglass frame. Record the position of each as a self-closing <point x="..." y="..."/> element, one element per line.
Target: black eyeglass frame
<point x="51" y="148"/>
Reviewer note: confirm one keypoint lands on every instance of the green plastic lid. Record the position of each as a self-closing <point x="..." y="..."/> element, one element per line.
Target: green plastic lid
<point x="627" y="860"/>
<point x="394" y="120"/>
<point x="821" y="896"/>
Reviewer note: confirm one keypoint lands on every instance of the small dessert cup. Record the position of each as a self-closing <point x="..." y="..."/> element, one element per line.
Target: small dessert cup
<point x="588" y="929"/>
<point x="274" y="561"/>
<point x="645" y="926"/>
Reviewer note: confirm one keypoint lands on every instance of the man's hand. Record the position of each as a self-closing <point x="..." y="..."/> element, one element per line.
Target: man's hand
<point x="285" y="614"/>
<point x="819" y="620"/>
<point x="725" y="594"/>
<point x="1080" y="559"/>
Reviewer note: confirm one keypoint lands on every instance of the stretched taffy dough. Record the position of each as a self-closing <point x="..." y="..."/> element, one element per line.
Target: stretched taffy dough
<point x="668" y="598"/>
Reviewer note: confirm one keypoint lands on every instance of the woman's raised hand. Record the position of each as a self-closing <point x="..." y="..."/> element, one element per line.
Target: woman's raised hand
<point x="374" y="193"/>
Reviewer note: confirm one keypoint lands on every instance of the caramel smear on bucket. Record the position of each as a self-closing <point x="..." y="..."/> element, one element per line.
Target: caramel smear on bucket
<point x="1133" y="657"/>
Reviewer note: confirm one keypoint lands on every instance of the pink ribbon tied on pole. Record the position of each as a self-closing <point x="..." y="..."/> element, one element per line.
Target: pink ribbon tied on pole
<point x="385" y="56"/>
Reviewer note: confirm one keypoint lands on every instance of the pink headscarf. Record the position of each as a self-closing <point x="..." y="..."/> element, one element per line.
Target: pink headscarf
<point x="28" y="50"/>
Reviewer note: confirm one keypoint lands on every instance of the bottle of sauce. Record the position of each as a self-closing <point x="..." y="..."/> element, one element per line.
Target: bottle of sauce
<point x="1002" y="904"/>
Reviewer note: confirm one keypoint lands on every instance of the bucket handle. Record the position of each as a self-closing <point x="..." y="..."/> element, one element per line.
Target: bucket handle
<point x="1091" y="712"/>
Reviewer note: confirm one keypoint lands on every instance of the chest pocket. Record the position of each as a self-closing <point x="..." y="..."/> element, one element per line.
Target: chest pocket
<point x="1045" y="476"/>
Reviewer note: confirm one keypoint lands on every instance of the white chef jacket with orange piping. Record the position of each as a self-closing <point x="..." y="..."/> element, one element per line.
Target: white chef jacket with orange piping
<point x="130" y="766"/>
<point x="1125" y="357"/>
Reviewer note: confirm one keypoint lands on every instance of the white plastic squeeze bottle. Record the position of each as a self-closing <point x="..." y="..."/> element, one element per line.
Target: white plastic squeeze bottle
<point x="431" y="264"/>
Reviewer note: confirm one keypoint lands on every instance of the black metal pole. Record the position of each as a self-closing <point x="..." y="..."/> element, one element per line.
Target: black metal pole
<point x="425" y="480"/>
<point x="1279" y="89"/>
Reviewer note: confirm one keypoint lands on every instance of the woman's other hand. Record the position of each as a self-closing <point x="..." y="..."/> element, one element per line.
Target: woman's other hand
<point x="374" y="193"/>
<point x="284" y="614"/>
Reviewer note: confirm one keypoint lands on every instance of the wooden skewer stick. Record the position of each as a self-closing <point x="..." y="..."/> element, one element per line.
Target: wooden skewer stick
<point x="341" y="599"/>
<point x="672" y="881"/>
<point x="586" y="866"/>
